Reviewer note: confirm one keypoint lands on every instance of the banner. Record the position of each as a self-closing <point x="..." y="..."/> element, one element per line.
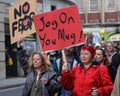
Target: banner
<point x="20" y="19"/>
<point x="59" y="28"/>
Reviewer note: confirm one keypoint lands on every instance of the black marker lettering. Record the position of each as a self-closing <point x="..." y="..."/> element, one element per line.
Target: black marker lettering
<point x="14" y="27"/>
<point x="63" y="17"/>
<point x="43" y="24"/>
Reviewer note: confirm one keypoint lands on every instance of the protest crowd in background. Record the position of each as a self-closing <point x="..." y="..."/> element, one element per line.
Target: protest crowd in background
<point x="76" y="66"/>
<point x="106" y="57"/>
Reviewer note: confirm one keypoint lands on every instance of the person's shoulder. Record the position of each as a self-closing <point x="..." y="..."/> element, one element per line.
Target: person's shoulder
<point x="78" y="67"/>
<point x="116" y="54"/>
<point x="30" y="74"/>
<point x="116" y="57"/>
<point x="50" y="72"/>
<point x="102" y="68"/>
<point x="118" y="68"/>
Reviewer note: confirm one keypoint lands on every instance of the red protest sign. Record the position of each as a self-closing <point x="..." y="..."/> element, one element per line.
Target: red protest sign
<point x="59" y="29"/>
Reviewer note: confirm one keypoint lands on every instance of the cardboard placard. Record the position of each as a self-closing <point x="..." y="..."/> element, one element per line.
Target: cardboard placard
<point x="20" y="19"/>
<point x="59" y="28"/>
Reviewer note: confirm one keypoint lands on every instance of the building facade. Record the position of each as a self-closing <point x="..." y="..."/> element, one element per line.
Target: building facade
<point x="94" y="14"/>
<point x="5" y="46"/>
<point x="100" y="14"/>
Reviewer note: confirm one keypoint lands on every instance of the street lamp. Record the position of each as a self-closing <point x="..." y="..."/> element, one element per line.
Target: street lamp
<point x="102" y="31"/>
<point x="102" y="13"/>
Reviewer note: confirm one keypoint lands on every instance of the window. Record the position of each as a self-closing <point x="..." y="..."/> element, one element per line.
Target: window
<point x="53" y="7"/>
<point x="7" y="29"/>
<point x="93" y="5"/>
<point x="80" y="5"/>
<point x="110" y="5"/>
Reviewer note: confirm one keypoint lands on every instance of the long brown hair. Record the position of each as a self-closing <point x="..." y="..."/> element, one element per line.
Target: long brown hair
<point x="46" y="65"/>
<point x="106" y="60"/>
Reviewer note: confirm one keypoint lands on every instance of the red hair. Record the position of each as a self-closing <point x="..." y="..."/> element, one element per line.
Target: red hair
<point x="90" y="49"/>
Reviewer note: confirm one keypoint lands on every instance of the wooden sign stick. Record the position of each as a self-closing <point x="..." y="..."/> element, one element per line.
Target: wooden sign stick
<point x="64" y="58"/>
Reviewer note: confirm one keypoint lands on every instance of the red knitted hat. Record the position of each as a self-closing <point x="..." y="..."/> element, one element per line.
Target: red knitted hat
<point x="90" y="49"/>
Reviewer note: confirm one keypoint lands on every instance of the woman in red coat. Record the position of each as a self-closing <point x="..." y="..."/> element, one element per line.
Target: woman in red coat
<point x="88" y="79"/>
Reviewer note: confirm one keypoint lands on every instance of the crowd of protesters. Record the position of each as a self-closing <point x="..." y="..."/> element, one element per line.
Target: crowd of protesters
<point x="90" y="71"/>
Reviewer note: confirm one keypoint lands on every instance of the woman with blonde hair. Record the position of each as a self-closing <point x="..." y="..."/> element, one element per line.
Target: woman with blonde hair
<point x="46" y="65"/>
<point x="41" y="80"/>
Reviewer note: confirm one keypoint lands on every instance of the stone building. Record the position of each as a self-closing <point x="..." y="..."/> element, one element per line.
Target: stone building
<point x="5" y="70"/>
<point x="94" y="14"/>
<point x="15" y="69"/>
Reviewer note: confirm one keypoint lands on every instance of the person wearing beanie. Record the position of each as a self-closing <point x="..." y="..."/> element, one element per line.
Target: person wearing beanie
<point x="87" y="79"/>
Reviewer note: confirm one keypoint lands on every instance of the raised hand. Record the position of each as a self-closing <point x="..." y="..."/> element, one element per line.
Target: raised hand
<point x="20" y="42"/>
<point x="44" y="80"/>
<point x="65" y="67"/>
<point x="95" y="92"/>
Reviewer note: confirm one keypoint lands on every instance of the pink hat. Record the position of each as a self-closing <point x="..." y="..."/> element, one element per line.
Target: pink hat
<point x="90" y="49"/>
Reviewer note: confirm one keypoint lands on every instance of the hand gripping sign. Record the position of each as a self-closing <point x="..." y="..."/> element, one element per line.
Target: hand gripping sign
<point x="59" y="28"/>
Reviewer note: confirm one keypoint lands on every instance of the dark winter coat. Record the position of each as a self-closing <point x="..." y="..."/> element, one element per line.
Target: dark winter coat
<point x="23" y="58"/>
<point x="116" y="60"/>
<point x="47" y="90"/>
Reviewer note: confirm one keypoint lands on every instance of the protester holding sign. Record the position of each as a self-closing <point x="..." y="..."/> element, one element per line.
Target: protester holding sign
<point x="82" y="79"/>
<point x="72" y="59"/>
<point x="56" y="59"/>
<point x="41" y="80"/>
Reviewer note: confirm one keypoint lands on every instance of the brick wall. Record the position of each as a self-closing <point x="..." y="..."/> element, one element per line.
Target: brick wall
<point x="83" y="19"/>
<point x="111" y="17"/>
<point x="94" y="18"/>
